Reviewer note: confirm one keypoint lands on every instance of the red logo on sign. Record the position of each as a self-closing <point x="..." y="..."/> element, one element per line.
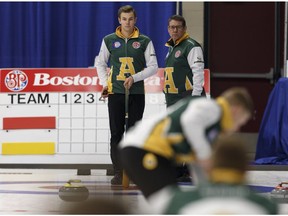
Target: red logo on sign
<point x="16" y="80"/>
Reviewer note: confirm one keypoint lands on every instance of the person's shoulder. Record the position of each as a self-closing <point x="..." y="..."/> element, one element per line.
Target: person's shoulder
<point x="112" y="35"/>
<point x="201" y="99"/>
<point x="206" y="104"/>
<point x="109" y="38"/>
<point x="265" y="202"/>
<point x="193" y="43"/>
<point x="143" y="36"/>
<point x="260" y="198"/>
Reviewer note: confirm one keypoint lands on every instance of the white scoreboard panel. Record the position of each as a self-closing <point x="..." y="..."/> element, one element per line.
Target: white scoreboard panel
<point x="53" y="116"/>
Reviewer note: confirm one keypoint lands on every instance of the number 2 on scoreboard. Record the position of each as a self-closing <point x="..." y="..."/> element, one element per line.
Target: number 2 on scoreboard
<point x="90" y="98"/>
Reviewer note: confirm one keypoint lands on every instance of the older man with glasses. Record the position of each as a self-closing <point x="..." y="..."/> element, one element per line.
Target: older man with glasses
<point x="184" y="70"/>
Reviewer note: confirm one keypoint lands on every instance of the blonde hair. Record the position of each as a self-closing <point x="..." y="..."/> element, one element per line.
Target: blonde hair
<point x="239" y="96"/>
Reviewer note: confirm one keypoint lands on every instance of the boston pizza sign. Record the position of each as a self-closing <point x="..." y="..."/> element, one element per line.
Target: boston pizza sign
<point x="62" y="80"/>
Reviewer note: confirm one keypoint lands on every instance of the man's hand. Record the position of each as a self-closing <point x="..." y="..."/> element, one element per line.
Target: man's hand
<point x="104" y="93"/>
<point x="205" y="165"/>
<point x="128" y="82"/>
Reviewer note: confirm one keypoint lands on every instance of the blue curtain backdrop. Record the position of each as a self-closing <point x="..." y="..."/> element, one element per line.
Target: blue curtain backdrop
<point x="69" y="34"/>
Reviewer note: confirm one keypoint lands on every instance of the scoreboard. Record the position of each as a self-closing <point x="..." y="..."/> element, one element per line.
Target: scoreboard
<point x="54" y="116"/>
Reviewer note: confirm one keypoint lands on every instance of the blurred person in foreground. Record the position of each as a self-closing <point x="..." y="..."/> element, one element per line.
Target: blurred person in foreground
<point x="154" y="147"/>
<point x="226" y="192"/>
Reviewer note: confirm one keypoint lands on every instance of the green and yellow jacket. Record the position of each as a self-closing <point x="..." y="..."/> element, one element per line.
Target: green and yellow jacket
<point x="184" y="69"/>
<point x="134" y="56"/>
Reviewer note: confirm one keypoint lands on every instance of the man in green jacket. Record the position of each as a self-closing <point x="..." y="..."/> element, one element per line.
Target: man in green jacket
<point x="132" y="59"/>
<point x="184" y="63"/>
<point x="184" y="70"/>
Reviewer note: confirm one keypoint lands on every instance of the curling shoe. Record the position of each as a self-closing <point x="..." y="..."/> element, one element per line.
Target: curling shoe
<point x="117" y="179"/>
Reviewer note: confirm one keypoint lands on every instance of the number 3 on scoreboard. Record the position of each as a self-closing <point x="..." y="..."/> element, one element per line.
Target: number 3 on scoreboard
<point x="77" y="98"/>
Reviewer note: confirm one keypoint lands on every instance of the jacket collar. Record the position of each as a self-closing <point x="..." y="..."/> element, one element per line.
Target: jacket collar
<point x="170" y="42"/>
<point x="135" y="33"/>
<point x="226" y="119"/>
<point x="227" y="176"/>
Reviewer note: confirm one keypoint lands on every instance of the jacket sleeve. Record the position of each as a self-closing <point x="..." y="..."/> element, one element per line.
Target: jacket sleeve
<point x="101" y="64"/>
<point x="200" y="114"/>
<point x="151" y="64"/>
<point x="196" y="62"/>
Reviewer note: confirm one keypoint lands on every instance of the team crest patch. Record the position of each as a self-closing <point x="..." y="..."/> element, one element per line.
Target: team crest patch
<point x="136" y="45"/>
<point x="177" y="54"/>
<point x="150" y="161"/>
<point x="116" y="44"/>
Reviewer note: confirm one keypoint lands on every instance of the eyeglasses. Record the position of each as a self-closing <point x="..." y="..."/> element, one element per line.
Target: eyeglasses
<point x="180" y="27"/>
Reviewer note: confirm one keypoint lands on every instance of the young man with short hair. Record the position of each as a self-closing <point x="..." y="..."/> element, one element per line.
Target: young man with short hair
<point x="132" y="59"/>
